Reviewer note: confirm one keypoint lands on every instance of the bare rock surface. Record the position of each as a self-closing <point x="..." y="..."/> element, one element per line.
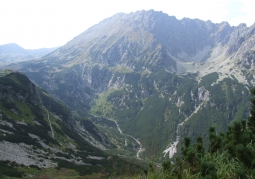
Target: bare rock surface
<point x="22" y="154"/>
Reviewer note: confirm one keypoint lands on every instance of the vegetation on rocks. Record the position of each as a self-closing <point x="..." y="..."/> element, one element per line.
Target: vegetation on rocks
<point x="229" y="155"/>
<point x="136" y="84"/>
<point x="39" y="132"/>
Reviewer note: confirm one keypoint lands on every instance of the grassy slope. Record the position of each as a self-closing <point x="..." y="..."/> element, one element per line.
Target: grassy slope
<point x="28" y="113"/>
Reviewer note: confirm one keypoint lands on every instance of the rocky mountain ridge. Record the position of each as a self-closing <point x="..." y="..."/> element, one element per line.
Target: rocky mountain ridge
<point x="148" y="31"/>
<point x="160" y="78"/>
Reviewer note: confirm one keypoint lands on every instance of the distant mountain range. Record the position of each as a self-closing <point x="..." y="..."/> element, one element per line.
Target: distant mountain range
<point x="12" y="49"/>
<point x="158" y="78"/>
<point x="12" y="53"/>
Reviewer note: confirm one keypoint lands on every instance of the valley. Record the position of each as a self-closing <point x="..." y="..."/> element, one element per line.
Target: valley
<point x="128" y="90"/>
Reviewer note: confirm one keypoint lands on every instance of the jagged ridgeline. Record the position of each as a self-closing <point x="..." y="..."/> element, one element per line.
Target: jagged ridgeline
<point x="157" y="77"/>
<point x="39" y="135"/>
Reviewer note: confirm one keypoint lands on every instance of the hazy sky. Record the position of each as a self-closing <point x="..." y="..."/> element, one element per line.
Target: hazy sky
<point x="49" y="23"/>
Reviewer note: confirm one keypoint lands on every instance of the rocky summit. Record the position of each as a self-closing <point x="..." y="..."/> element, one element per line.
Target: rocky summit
<point x="154" y="76"/>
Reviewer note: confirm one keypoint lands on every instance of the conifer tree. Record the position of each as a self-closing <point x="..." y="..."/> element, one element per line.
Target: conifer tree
<point x="251" y="118"/>
<point x="236" y="145"/>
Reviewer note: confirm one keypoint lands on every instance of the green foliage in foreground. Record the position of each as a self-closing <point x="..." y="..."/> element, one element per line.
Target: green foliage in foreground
<point x="230" y="154"/>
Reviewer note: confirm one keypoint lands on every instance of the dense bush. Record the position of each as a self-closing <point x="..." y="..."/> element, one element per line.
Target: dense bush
<point x="9" y="104"/>
<point x="7" y="168"/>
<point x="230" y="154"/>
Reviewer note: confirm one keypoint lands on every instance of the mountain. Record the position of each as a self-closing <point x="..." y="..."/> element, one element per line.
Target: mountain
<point x="158" y="78"/>
<point x="12" y="53"/>
<point x="12" y="49"/>
<point x="37" y="53"/>
<point x="38" y="131"/>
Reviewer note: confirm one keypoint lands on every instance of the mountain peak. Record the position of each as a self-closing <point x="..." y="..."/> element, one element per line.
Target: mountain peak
<point x="131" y="67"/>
<point x="12" y="48"/>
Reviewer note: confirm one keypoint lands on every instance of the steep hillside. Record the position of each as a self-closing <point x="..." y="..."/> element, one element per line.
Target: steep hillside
<point x="39" y="132"/>
<point x="159" y="108"/>
<point x="156" y="77"/>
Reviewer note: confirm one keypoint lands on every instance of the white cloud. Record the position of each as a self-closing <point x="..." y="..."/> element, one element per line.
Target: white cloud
<point x="248" y="10"/>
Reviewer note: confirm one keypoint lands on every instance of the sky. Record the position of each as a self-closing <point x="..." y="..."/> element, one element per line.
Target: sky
<point x="34" y="24"/>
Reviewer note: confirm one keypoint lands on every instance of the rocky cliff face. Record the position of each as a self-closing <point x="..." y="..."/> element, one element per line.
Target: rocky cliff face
<point x="157" y="76"/>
